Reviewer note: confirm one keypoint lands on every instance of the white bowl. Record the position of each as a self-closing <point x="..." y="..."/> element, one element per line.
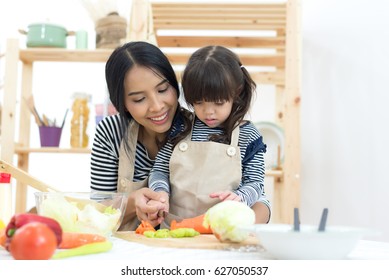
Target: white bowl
<point x="282" y="242"/>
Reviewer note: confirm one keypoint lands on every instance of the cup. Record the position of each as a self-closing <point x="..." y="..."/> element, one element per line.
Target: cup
<point x="81" y="39"/>
<point x="50" y="136"/>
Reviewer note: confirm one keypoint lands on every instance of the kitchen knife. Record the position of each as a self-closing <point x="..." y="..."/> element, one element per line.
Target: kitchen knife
<point x="168" y="218"/>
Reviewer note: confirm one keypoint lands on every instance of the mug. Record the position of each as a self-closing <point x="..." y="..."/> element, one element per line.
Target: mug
<point x="81" y="39"/>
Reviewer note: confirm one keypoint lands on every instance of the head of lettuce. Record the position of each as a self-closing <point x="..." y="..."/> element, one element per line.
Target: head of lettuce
<point x="226" y="218"/>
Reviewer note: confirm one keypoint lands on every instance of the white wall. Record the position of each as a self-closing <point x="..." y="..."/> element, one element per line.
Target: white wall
<point x="344" y="112"/>
<point x="344" y="100"/>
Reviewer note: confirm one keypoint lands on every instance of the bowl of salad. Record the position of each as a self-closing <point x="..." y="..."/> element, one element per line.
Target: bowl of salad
<point x="90" y="212"/>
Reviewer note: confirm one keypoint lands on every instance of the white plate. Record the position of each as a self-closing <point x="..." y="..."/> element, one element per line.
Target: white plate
<point x="273" y="136"/>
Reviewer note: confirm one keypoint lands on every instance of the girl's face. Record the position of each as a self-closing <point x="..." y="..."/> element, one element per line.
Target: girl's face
<point x="213" y="114"/>
<point x="150" y="100"/>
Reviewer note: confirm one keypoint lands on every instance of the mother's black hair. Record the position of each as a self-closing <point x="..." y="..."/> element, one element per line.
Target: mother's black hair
<point x="122" y="60"/>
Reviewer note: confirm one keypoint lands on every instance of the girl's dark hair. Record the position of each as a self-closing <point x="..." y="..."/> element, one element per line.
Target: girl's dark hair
<point x="214" y="74"/>
<point x="122" y="60"/>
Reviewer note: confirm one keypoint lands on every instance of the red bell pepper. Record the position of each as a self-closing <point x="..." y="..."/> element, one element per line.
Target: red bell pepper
<point x="19" y="220"/>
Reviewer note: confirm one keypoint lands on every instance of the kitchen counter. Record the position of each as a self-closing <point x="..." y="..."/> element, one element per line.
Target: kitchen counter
<point x="125" y="250"/>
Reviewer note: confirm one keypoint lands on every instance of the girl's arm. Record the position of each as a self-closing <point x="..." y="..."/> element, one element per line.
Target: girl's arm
<point x="159" y="175"/>
<point x="262" y="212"/>
<point x="251" y="188"/>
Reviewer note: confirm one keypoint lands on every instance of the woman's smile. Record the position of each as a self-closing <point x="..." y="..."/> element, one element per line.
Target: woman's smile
<point x="161" y="119"/>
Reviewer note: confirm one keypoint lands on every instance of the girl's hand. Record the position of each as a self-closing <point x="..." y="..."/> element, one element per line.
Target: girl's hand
<point x="225" y="195"/>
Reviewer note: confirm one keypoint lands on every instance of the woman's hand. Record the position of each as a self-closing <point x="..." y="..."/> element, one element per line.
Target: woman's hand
<point x="225" y="195"/>
<point x="147" y="205"/>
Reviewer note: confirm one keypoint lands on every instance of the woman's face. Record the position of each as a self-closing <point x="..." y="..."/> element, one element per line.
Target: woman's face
<point x="150" y="99"/>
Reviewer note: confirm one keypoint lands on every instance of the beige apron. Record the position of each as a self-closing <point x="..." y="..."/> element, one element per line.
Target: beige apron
<point x="126" y="171"/>
<point x="200" y="168"/>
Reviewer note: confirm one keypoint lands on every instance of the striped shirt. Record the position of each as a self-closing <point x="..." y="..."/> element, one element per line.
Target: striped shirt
<point x="252" y="149"/>
<point x="105" y="156"/>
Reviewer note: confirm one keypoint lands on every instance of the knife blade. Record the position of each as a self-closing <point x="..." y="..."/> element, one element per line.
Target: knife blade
<point x="169" y="217"/>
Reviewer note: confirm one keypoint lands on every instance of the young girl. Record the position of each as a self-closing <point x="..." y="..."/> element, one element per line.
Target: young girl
<point x="222" y="157"/>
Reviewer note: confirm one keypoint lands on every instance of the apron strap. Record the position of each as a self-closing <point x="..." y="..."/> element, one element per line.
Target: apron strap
<point x="235" y="136"/>
<point x="126" y="163"/>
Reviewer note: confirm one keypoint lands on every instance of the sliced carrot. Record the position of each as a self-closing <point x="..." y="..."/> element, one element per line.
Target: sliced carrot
<point x="196" y="223"/>
<point x="77" y="239"/>
<point x="144" y="226"/>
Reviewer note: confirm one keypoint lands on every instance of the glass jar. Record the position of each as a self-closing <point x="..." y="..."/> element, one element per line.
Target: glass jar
<point x="79" y="122"/>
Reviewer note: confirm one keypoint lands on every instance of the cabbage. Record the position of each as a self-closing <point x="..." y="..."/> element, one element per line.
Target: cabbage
<point x="72" y="219"/>
<point x="225" y="218"/>
<point x="93" y="221"/>
<point x="58" y="208"/>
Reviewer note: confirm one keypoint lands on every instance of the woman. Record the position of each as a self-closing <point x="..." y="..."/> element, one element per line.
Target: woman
<point x="144" y="90"/>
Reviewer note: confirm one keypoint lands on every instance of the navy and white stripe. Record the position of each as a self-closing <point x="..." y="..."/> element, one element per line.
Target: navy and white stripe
<point x="251" y="188"/>
<point x="105" y="156"/>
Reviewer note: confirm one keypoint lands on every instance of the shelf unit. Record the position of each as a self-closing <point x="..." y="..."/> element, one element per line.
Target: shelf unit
<point x="282" y="19"/>
<point x="255" y="26"/>
<point x="13" y="56"/>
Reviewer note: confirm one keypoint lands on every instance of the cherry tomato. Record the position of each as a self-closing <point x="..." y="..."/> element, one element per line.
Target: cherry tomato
<point x="33" y="241"/>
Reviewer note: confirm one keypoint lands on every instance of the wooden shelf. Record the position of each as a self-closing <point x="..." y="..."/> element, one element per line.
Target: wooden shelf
<point x="267" y="37"/>
<point x="31" y="55"/>
<point x="274" y="173"/>
<point x="281" y="23"/>
<point x="21" y="150"/>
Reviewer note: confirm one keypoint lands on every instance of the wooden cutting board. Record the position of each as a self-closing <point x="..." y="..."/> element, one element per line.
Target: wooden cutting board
<point x="202" y="241"/>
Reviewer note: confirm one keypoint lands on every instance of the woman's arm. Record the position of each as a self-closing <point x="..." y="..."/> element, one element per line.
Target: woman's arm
<point x="104" y="162"/>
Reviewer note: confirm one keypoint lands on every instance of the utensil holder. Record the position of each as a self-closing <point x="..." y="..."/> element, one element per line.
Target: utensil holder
<point x="50" y="136"/>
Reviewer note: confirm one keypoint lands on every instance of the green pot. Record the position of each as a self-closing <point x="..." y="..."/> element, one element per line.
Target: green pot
<point x="46" y="35"/>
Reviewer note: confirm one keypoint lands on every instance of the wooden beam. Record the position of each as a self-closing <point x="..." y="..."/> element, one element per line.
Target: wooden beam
<point x="24" y="177"/>
<point x="290" y="193"/>
<point x="57" y="54"/>
<point x="276" y="60"/>
<point x="232" y="7"/>
<point x="217" y="25"/>
<point x="232" y="16"/>
<point x="230" y="42"/>
<point x="8" y="113"/>
<point x="270" y="78"/>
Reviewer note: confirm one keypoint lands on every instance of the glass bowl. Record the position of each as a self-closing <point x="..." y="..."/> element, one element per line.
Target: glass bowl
<point x="90" y="212"/>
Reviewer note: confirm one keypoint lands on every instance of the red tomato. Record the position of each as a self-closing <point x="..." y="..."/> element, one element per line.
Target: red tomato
<point x="33" y="241"/>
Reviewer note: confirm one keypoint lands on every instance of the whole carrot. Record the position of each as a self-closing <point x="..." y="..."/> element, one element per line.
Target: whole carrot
<point x="77" y="239"/>
<point x="196" y="223"/>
